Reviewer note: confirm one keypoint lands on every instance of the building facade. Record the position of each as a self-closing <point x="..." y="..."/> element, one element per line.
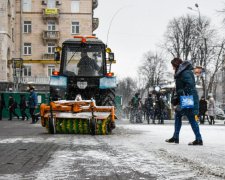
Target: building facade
<point x="37" y="27"/>
<point x="7" y="37"/>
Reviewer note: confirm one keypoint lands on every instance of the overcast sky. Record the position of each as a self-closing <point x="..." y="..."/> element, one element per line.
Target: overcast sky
<point x="138" y="26"/>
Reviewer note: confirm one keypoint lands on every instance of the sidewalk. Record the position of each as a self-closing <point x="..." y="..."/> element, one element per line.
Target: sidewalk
<point x="184" y="121"/>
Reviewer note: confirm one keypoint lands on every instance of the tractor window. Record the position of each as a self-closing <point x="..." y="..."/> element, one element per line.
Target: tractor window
<point x="86" y="61"/>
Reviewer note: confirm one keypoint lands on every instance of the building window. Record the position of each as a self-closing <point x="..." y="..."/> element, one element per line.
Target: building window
<point x="75" y="6"/>
<point x="27" y="27"/>
<point x="51" y="4"/>
<point x="51" y="26"/>
<point x="26" y="5"/>
<point x="51" y="48"/>
<point x="75" y="27"/>
<point x="51" y="69"/>
<point x="27" y="71"/>
<point x="27" y="49"/>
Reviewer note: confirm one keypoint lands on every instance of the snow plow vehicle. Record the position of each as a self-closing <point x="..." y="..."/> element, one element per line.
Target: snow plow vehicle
<point x="82" y="93"/>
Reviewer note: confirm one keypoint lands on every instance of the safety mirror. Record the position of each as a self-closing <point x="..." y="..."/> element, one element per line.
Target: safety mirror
<point x="57" y="56"/>
<point x="111" y="56"/>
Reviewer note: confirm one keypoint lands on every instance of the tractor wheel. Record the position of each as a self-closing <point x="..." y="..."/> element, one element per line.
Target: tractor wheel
<point x="92" y="126"/>
<point x="51" y="127"/>
<point x="109" y="129"/>
<point x="108" y="98"/>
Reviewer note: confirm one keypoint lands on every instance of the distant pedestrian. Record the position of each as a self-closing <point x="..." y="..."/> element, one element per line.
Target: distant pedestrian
<point x="32" y="103"/>
<point x="134" y="108"/>
<point x="12" y="107"/>
<point x="211" y="109"/>
<point x="2" y="104"/>
<point x="149" y="107"/>
<point x="185" y="84"/>
<point x="159" y="109"/>
<point x="202" y="109"/>
<point x="23" y="107"/>
<point x="140" y="111"/>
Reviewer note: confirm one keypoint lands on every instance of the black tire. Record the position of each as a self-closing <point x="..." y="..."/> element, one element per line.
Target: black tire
<point x="107" y="97"/>
<point x="92" y="126"/>
<point x="52" y="129"/>
<point x="109" y="129"/>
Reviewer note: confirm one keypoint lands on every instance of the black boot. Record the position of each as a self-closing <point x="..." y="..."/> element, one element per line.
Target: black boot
<point x="173" y="140"/>
<point x="196" y="142"/>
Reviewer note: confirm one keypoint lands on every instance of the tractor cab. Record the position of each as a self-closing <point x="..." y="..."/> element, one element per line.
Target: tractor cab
<point x="85" y="69"/>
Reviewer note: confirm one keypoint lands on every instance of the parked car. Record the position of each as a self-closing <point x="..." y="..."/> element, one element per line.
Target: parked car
<point x="220" y="114"/>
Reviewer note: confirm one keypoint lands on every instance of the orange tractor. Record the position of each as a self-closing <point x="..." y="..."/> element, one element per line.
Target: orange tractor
<point x="77" y="117"/>
<point x="92" y="80"/>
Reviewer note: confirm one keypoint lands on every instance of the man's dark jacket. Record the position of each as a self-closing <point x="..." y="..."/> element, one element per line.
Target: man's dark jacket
<point x="185" y="84"/>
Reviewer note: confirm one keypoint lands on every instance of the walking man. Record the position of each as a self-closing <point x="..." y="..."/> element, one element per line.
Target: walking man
<point x="32" y="104"/>
<point x="202" y="109"/>
<point x="149" y="107"/>
<point x="185" y="84"/>
<point x="12" y="108"/>
<point x="23" y="106"/>
<point x="2" y="105"/>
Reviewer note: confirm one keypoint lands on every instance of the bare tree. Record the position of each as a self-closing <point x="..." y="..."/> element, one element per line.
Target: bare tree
<point x="190" y="37"/>
<point x="152" y="69"/>
<point x="185" y="36"/>
<point x="215" y="63"/>
<point x="126" y="88"/>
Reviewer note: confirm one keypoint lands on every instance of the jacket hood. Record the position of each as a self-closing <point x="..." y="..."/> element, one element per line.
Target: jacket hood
<point x="186" y="65"/>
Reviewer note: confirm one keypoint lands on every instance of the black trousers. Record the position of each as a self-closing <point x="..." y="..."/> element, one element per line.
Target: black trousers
<point x="23" y="113"/>
<point x="159" y="114"/>
<point x="1" y="113"/>
<point x="212" y="120"/>
<point x="12" y="112"/>
<point x="32" y="114"/>
<point x="202" y="117"/>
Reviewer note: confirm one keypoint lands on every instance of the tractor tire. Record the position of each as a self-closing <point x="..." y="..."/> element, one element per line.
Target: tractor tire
<point x="108" y="97"/>
<point x="93" y="126"/>
<point x="109" y="129"/>
<point x="52" y="129"/>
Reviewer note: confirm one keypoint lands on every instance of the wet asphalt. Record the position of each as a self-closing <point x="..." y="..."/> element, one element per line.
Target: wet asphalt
<point x="27" y="151"/>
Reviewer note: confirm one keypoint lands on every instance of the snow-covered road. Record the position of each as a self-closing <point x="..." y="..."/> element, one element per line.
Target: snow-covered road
<point x="133" y="151"/>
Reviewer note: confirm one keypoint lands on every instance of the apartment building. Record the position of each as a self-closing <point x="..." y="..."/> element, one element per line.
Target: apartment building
<point x="38" y="27"/>
<point x="7" y="37"/>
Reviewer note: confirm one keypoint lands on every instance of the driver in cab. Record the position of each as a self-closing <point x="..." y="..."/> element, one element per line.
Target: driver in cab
<point x="87" y="66"/>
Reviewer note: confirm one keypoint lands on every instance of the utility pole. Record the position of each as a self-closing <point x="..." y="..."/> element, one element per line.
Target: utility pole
<point x="223" y="82"/>
<point x="205" y="46"/>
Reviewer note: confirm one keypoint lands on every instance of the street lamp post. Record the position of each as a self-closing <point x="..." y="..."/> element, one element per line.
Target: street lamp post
<point x="205" y="44"/>
<point x="110" y="24"/>
<point x="223" y="77"/>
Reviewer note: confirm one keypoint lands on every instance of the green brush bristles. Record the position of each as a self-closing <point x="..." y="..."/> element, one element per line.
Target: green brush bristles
<point x="79" y="126"/>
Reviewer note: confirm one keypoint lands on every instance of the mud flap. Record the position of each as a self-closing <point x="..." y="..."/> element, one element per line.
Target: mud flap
<point x="92" y="126"/>
<point x="52" y="129"/>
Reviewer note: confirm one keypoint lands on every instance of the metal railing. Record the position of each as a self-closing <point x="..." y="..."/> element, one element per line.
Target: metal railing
<point x="48" y="56"/>
<point x="33" y="80"/>
<point x="51" y="35"/>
